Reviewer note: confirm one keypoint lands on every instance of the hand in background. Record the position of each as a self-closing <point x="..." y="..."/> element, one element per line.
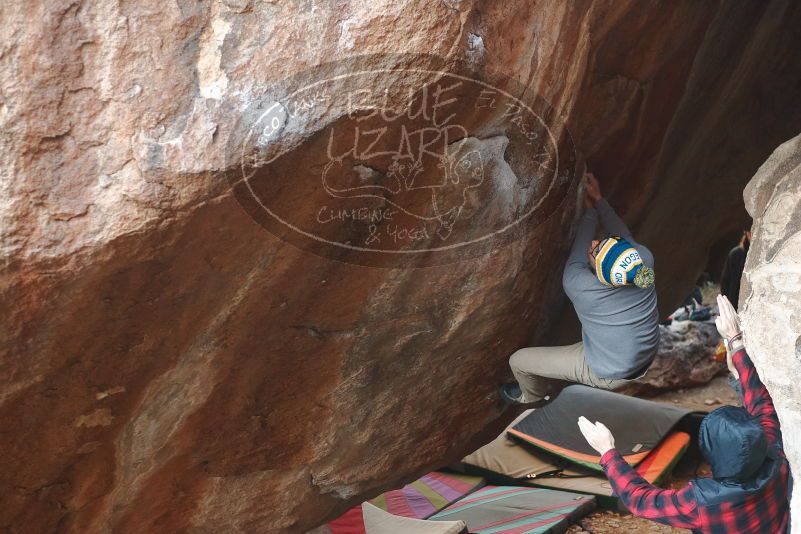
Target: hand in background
<point x="592" y="189"/>
<point x="597" y="435"/>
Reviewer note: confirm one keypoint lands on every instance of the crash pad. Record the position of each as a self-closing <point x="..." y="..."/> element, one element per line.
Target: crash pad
<point x="508" y="460"/>
<point x="378" y="521"/>
<point x="419" y="499"/>
<point x="515" y="509"/>
<point x="664" y="457"/>
<point x="351" y="522"/>
<point x="427" y="495"/>
<point x="638" y="425"/>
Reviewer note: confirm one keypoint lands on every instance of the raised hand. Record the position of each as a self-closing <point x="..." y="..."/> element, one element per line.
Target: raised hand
<point x="729" y="327"/>
<point x="597" y="435"/>
<point x="727" y="322"/>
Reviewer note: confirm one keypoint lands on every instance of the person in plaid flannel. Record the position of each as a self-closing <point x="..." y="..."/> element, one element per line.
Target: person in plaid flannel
<point x="748" y="490"/>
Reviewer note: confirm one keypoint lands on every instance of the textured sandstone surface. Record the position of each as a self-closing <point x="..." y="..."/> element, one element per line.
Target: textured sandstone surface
<point x="771" y="289"/>
<point x="168" y="365"/>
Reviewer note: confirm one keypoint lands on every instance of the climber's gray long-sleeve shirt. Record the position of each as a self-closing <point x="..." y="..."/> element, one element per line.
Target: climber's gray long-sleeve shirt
<point x="620" y="325"/>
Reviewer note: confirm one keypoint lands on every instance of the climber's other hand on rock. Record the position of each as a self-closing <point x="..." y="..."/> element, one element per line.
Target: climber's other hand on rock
<point x="592" y="187"/>
<point x="597" y="435"/>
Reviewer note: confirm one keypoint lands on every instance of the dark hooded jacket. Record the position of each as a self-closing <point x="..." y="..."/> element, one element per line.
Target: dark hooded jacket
<point x="746" y="469"/>
<point x="748" y="492"/>
<point x="736" y="448"/>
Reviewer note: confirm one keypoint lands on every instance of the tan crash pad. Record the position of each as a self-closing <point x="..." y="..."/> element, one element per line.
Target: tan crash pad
<point x="505" y="456"/>
<point x="529" y="466"/>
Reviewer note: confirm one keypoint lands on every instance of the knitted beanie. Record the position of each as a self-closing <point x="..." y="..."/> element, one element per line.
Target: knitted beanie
<point x="618" y="264"/>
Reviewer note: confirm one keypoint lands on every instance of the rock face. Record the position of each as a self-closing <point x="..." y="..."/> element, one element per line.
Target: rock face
<point x="771" y="292"/>
<point x="685" y="359"/>
<point x="168" y="365"/>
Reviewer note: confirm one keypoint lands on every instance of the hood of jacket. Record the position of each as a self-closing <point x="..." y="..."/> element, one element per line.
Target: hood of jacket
<point x="733" y="443"/>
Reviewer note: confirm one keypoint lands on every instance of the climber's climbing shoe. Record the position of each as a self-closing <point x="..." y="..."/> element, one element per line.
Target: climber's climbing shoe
<point x="511" y="394"/>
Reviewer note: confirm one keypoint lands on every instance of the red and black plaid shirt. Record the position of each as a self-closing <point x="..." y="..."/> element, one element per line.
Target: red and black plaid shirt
<point x="763" y="512"/>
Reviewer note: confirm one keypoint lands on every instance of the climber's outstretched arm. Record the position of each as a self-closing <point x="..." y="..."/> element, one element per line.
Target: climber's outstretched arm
<point x="577" y="270"/>
<point x="611" y="222"/>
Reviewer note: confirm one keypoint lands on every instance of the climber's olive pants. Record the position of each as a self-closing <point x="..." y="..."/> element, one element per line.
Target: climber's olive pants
<point x="541" y="371"/>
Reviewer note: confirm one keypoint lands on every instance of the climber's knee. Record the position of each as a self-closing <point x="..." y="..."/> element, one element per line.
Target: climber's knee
<point x="524" y="360"/>
<point x="515" y="359"/>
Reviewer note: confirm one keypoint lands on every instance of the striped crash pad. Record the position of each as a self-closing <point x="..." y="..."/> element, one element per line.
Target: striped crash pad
<point x="427" y="495"/>
<point x="507" y="460"/>
<point x="638" y="425"/>
<point x="419" y="500"/>
<point x="518" y="510"/>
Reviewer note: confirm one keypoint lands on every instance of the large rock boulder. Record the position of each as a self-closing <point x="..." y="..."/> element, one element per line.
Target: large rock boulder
<point x="771" y="290"/>
<point x="168" y="365"/>
<point x="685" y="359"/>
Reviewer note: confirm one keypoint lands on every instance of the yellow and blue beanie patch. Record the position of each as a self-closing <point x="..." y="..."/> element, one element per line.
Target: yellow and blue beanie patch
<point x="618" y="263"/>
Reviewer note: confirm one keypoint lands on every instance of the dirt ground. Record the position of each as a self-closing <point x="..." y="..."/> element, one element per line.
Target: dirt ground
<point x="703" y="398"/>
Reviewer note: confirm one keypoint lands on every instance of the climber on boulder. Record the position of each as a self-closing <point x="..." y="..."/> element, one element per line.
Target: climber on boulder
<point x="748" y="489"/>
<point x="611" y="284"/>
